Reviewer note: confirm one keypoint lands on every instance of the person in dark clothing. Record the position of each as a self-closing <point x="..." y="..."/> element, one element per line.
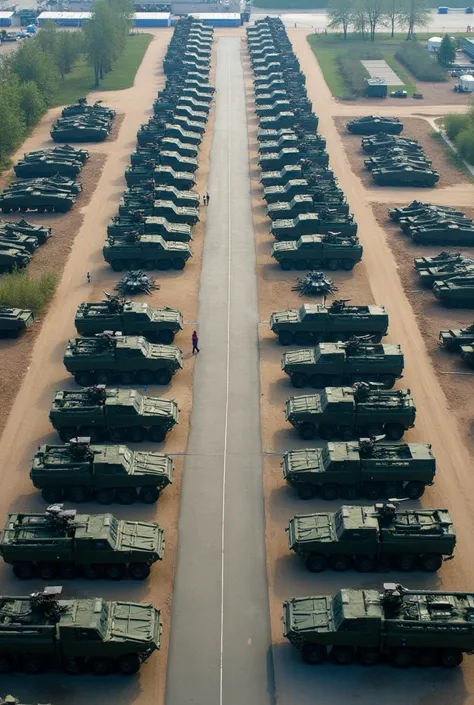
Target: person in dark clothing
<point x="207" y="199"/>
<point x="195" y="340"/>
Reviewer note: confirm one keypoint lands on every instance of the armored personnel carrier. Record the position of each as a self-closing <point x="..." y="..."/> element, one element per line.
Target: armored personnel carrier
<point x="32" y="198"/>
<point x="405" y="175"/>
<point x="373" y="124"/>
<point x="62" y="542"/>
<point x="437" y="627"/>
<point x="362" y="468"/>
<point x="182" y="199"/>
<point x="42" y="629"/>
<point x="275" y="161"/>
<point x="166" y="176"/>
<point x="443" y="273"/>
<point x="22" y="227"/>
<point x="281" y="177"/>
<point x="344" y="363"/>
<point x="116" y="414"/>
<point x="318" y="322"/>
<point x="287" y="210"/>
<point x="324" y="222"/>
<point x="416" y="208"/>
<point x="129" y="317"/>
<point x="286" y="192"/>
<point x="270" y="135"/>
<point x="108" y="358"/>
<point x="455" y="338"/>
<point x="330" y="251"/>
<point x="80" y="471"/>
<point x="145" y="252"/>
<point x="440" y="260"/>
<point x="54" y="184"/>
<point x="467" y="354"/>
<point x="82" y="107"/>
<point x="81" y="128"/>
<point x="64" y="151"/>
<point x="444" y="233"/>
<point x="28" y="243"/>
<point x="12" y="257"/>
<point x="137" y="224"/>
<point x="176" y="214"/>
<point x="30" y="167"/>
<point x="349" y="412"/>
<point x="9" y="700"/>
<point x="379" y="537"/>
<point x="14" y="320"/>
<point x="375" y="143"/>
<point x="457" y="292"/>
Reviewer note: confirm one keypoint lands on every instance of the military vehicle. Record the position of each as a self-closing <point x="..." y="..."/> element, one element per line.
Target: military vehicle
<point x="457" y="292"/>
<point x="416" y="208"/>
<point x="332" y="364"/>
<point x="82" y="128"/>
<point x="348" y="412"/>
<point x="176" y="214"/>
<point x="62" y="542"/>
<point x="455" y="338"/>
<point x="115" y="414"/>
<point x="374" y="143"/>
<point x="12" y="258"/>
<point x="166" y="176"/>
<point x="396" y="156"/>
<point x="410" y="225"/>
<point x="145" y="252"/>
<point x="275" y="161"/>
<point x="34" y="198"/>
<point x="444" y="233"/>
<point x="80" y="471"/>
<point x="82" y="107"/>
<point x="42" y="629"/>
<point x="405" y="175"/>
<point x="440" y="260"/>
<point x="21" y="227"/>
<point x="270" y="135"/>
<point x="282" y="210"/>
<point x="182" y="199"/>
<point x="62" y="151"/>
<point x="363" y="468"/>
<point x="467" y="354"/>
<point x="372" y="538"/>
<point x="443" y="273"/>
<point x="129" y="317"/>
<point x="318" y="322"/>
<point x="14" y="320"/>
<point x="27" y="243"/>
<point x="54" y="184"/>
<point x="134" y="226"/>
<point x="150" y="132"/>
<point x="324" y="222"/>
<point x="436" y="627"/>
<point x="9" y="700"/>
<point x="47" y="166"/>
<point x="373" y="124"/>
<point x="107" y="358"/>
<point x="286" y="192"/>
<point x="281" y="176"/>
<point x="330" y="251"/>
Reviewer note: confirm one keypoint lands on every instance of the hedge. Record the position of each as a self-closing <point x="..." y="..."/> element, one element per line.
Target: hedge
<point x="417" y="60"/>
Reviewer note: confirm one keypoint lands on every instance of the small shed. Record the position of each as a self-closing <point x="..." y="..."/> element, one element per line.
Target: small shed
<point x="152" y="19"/>
<point x="6" y="18"/>
<point x="219" y="19"/>
<point x="467" y="83"/>
<point x="434" y="44"/>
<point x="65" y="19"/>
<point x="443" y="10"/>
<point x="376" y="88"/>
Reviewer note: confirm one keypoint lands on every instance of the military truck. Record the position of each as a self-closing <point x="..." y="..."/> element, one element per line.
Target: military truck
<point x="331" y="364"/>
<point x="130" y="317"/>
<point x="145" y="252"/>
<point x="379" y="537"/>
<point x="455" y="338"/>
<point x="79" y="471"/>
<point x="115" y="414"/>
<point x="318" y="322"/>
<point x="41" y="630"/>
<point x="457" y="292"/>
<point x="348" y="412"/>
<point x="111" y="357"/>
<point x="373" y="124"/>
<point x="362" y="468"/>
<point x="422" y="627"/>
<point x="14" y="320"/>
<point x="63" y="543"/>
<point x="330" y="251"/>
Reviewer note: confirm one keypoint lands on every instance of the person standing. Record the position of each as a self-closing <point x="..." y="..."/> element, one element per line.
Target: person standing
<point x="88" y="275"/>
<point x="207" y="198"/>
<point x="195" y="340"/>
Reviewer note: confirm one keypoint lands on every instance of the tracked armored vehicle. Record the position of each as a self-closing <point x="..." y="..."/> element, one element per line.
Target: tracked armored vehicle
<point x="405" y="175"/>
<point x="14" y="320"/>
<point x="416" y="208"/>
<point x="326" y="222"/>
<point x="43" y="166"/>
<point x="115" y="414"/>
<point x="440" y="260"/>
<point x="443" y="273"/>
<point x="373" y="124"/>
<point x="36" y="199"/>
<point x="375" y="143"/>
<point x="12" y="257"/>
<point x="40" y="232"/>
<point x="457" y="292"/>
<point x="145" y="252"/>
<point x="130" y="227"/>
<point x="64" y="543"/>
<point x="443" y="233"/>
<point x="455" y="338"/>
<point x="330" y="251"/>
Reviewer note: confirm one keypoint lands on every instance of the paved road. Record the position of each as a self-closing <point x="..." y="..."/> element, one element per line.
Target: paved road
<point x="220" y="633"/>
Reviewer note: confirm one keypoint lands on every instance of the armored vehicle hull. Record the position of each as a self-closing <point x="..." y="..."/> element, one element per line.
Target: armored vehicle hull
<point x="405" y="176"/>
<point x="313" y="224"/>
<point x="14" y="320"/>
<point x="456" y="292"/>
<point x="374" y="125"/>
<point x="36" y="200"/>
<point x="150" y="252"/>
<point x="442" y="274"/>
<point x="453" y="339"/>
<point x="440" y="260"/>
<point x="318" y="251"/>
<point x="452" y="234"/>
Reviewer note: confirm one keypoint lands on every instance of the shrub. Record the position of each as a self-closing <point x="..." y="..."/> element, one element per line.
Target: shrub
<point x="465" y="143"/>
<point x="353" y="72"/>
<point x="419" y="62"/>
<point x="18" y="290"/>
<point x="454" y="124"/>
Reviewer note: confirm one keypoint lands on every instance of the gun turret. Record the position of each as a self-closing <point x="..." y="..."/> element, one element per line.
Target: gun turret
<point x="80" y="448"/>
<point x="47" y="603"/>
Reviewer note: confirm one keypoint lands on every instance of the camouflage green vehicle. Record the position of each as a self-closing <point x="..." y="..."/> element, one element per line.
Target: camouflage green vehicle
<point x="171" y="144"/>
<point x="178" y="162"/>
<point x="275" y="161"/>
<point x="326" y="222"/>
<point x="444" y="233"/>
<point x="373" y="124"/>
<point x="14" y="320"/>
<point x="270" y="135"/>
<point x="405" y="175"/>
<point x="9" y="700"/>
<point x="372" y="538"/>
<point x="417" y="208"/>
<point x="115" y="414"/>
<point x="80" y="129"/>
<point x="467" y="354"/>
<point x="28" y="168"/>
<point x="263" y="99"/>
<point x="80" y="472"/>
<point x="12" y="257"/>
<point x="318" y="322"/>
<point x="182" y="199"/>
<point x="440" y="260"/>
<point x="23" y="227"/>
<point x="107" y="358"/>
<point x="404" y="627"/>
<point x="166" y="176"/>
<point x="375" y="143"/>
<point x="186" y="111"/>
<point x="42" y="630"/>
<point x="455" y="338"/>
<point x="281" y="177"/>
<point x="288" y="210"/>
<point x="176" y="214"/>
<point x="129" y="226"/>
<point x="362" y="468"/>
<point x="332" y="364"/>
<point x="64" y="543"/>
<point x="442" y="274"/>
<point x="28" y="243"/>
<point x="33" y="198"/>
<point x="329" y="251"/>
<point x="130" y="317"/>
<point x="457" y="292"/>
<point x="188" y="125"/>
<point x="348" y="412"/>
<point x="285" y="192"/>
<point x="145" y="252"/>
<point x="64" y="151"/>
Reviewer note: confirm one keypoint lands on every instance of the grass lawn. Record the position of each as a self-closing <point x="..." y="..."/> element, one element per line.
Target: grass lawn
<point x="81" y="79"/>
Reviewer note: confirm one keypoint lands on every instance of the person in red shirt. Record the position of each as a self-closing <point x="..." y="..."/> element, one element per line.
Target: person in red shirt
<point x="195" y="340"/>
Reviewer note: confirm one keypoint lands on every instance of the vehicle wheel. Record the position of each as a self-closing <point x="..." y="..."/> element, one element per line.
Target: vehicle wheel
<point x="92" y="571"/>
<point x="179" y="263"/>
<point x="430" y="562"/>
<point x="117" y="435"/>
<point x="314" y="654"/>
<point x="105" y="495"/>
<point x="52" y="495"/>
<point x="73" y="666"/>
<point x="23" y="570"/>
<point x="340" y="563"/>
<point x="317" y="381"/>
<point x="163" y="377"/>
<point x="148" y="495"/>
<point x="364" y="564"/>
<point x="286" y="265"/>
<point x="342" y="655"/>
<point x="349" y="492"/>
<point x="425" y="658"/>
<point x="144" y="377"/>
<point x="150" y="265"/>
<point x="6" y="663"/>
<point x="126" y="495"/>
<point x="88" y="432"/>
<point x="100" y="666"/>
<point x="13" y="334"/>
<point x="65" y="434"/>
<point x="302" y="337"/>
<point x="298" y="380"/>
<point x="33" y="663"/>
<point x="129" y="664"/>
<point x="332" y="264"/>
<point x="117" y="266"/>
<point x="328" y="431"/>
<point x="66" y="571"/>
<point x="163" y="265"/>
<point x="372" y="490"/>
<point x="405" y="562"/>
<point x="114" y="571"/>
<point x="368" y="656"/>
<point x="77" y="494"/>
<point x="450" y="658"/>
<point x="136" y="434"/>
<point x="316" y="563"/>
<point x="5" y="209"/>
<point x="285" y="337"/>
<point x="157" y="434"/>
<point x="347" y="264"/>
<point x="393" y="490"/>
<point x="104" y="377"/>
<point x="307" y="431"/>
<point x="139" y="571"/>
<point x="394" y="431"/>
<point x="330" y="492"/>
<point x="403" y="658"/>
<point x="388" y="381"/>
<point x="306" y="491"/>
<point x="84" y="379"/>
<point x="414" y="490"/>
<point x="165" y="337"/>
<point x="127" y="378"/>
<point x="301" y="265"/>
<point x="47" y="571"/>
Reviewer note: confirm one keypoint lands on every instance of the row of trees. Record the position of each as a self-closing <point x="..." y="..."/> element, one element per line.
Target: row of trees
<point x="106" y="34"/>
<point x="365" y="16"/>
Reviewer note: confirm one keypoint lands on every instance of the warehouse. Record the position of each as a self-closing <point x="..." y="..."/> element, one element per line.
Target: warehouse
<point x="6" y="18"/>
<point x="219" y="19"/>
<point x="77" y="19"/>
<point x="152" y="19"/>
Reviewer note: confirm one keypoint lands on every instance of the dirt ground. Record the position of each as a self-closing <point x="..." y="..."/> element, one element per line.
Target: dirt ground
<point x="414" y="128"/>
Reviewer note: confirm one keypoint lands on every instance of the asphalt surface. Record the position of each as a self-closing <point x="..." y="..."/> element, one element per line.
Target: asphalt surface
<point x="220" y="633"/>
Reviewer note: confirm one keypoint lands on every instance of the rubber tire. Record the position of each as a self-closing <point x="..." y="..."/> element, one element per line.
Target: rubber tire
<point x="138" y="571"/>
<point x="450" y="658"/>
<point x="78" y="495"/>
<point x="307" y="432"/>
<point x="316" y="562"/>
<point x="349" y="492"/>
<point x="314" y="654"/>
<point x="405" y="562"/>
<point x="104" y="377"/>
<point x="105" y="495"/>
<point x="157" y="434"/>
<point x="33" y="664"/>
<point x="430" y="562"/>
<point x="165" y="337"/>
<point x="100" y="666"/>
<point x="84" y="379"/>
<point x="73" y="666"/>
<point x="347" y="265"/>
<point x="163" y="377"/>
<point x="7" y="664"/>
<point x="414" y="490"/>
<point x="128" y="665"/>
<point x="148" y="495"/>
<point x="364" y="564"/>
<point x="425" y="658"/>
<point x="136" y="434"/>
<point x="286" y="265"/>
<point x="298" y="380"/>
<point x="306" y="491"/>
<point x="47" y="571"/>
<point x="403" y="658"/>
<point x="92" y="571"/>
<point x="394" y="431"/>
<point x="285" y="337"/>
<point x="52" y="495"/>
<point x="342" y="655"/>
<point x="179" y="263"/>
<point x="332" y="265"/>
<point x="114" y="571"/>
<point x="117" y="266"/>
<point x="302" y="337"/>
<point x="372" y="491"/>
<point x="328" y="432"/>
<point x="144" y="377"/>
<point x="24" y="570"/>
<point x="126" y="495"/>
<point x="368" y="656"/>
<point x="330" y="492"/>
<point x="340" y="563"/>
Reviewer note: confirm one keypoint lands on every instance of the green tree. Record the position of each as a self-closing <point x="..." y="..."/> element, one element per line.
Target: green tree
<point x="360" y="20"/>
<point x="11" y="116"/>
<point x="31" y="63"/>
<point x="375" y="11"/>
<point x="414" y="13"/>
<point x="340" y="15"/>
<point x="447" y="51"/>
<point x="31" y="103"/>
<point x="392" y="13"/>
<point x="48" y="37"/>
<point x="69" y="46"/>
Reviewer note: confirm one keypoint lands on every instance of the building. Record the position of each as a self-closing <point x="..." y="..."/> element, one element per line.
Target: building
<point x="152" y="19"/>
<point x="219" y="19"/>
<point x="77" y="19"/>
<point x="6" y="18"/>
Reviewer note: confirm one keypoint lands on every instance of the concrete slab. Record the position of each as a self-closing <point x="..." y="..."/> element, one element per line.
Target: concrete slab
<point x="378" y="68"/>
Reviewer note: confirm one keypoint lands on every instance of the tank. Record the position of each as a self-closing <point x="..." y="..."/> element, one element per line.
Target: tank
<point x="409" y="224"/>
<point x="330" y="251"/>
<point x="437" y="626"/>
<point x="360" y="410"/>
<point x="138" y="224"/>
<point x="28" y="243"/>
<point x="318" y="322"/>
<point x="405" y="175"/>
<point x="373" y="124"/>
<point x="444" y="233"/>
<point x="43" y="629"/>
<point x="375" y="143"/>
<point x="43" y="166"/>
<point x="455" y="338"/>
<point x="145" y="252"/>
<point x="286" y="192"/>
<point x="380" y="537"/>
<point x="22" y="227"/>
<point x="440" y="260"/>
<point x="12" y="258"/>
<point x="344" y="363"/>
<point x="36" y="199"/>
<point x="107" y="358"/>
<point x="63" y="542"/>
<point x="129" y="317"/>
<point x="324" y="222"/>
<point x="166" y="176"/>
<point x="443" y="273"/>
<point x="457" y="292"/>
<point x="115" y="414"/>
<point x="14" y="320"/>
<point x="416" y="208"/>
